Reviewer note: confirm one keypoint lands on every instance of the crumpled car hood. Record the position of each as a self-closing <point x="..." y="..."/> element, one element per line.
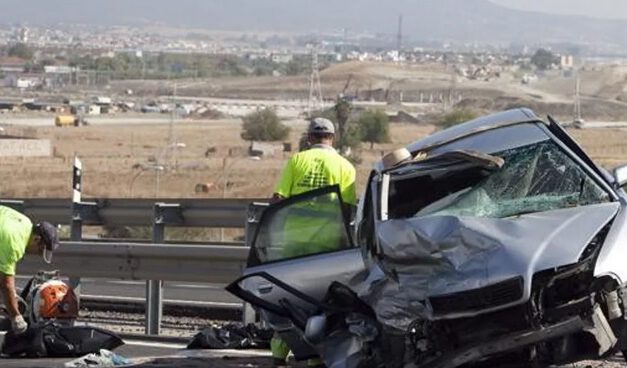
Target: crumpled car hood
<point x="439" y="255"/>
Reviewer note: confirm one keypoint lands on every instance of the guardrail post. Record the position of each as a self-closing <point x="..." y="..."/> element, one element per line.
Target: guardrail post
<point x="253" y="214"/>
<point x="164" y="214"/>
<point x="76" y="234"/>
<point x="154" y="288"/>
<point x="82" y="212"/>
<point x="76" y="226"/>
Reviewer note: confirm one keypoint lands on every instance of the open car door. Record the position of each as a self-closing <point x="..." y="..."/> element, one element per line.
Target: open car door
<point x="299" y="247"/>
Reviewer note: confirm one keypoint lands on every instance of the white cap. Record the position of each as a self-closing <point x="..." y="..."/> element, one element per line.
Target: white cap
<point x="395" y="157"/>
<point x="321" y="126"/>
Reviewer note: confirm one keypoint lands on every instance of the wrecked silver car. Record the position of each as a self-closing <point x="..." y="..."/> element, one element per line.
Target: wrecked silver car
<point x="495" y="241"/>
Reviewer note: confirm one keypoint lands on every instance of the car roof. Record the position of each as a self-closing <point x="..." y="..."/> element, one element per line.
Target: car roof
<point x="476" y="126"/>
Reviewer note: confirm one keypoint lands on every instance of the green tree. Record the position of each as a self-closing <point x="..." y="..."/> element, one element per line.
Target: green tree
<point x="21" y="51"/>
<point x="342" y="110"/>
<point x="261" y="67"/>
<point x="352" y="136"/>
<point x="374" y="127"/>
<point x="347" y="134"/>
<point x="229" y="66"/>
<point x="543" y="59"/>
<point x="456" y="117"/>
<point x="295" y="67"/>
<point x="263" y="125"/>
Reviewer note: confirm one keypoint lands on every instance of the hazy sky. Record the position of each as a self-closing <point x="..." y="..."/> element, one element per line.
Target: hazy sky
<point x="594" y="8"/>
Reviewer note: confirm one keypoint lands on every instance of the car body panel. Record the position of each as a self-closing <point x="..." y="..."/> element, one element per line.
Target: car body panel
<point x="485" y="141"/>
<point x="438" y="255"/>
<point x="310" y="275"/>
<point x="611" y="259"/>
<point x="473" y="127"/>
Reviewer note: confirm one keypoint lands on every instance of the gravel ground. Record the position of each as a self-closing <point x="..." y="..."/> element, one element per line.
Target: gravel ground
<point x="131" y="323"/>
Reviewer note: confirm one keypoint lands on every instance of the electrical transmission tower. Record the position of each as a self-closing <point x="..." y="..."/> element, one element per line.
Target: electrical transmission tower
<point x="399" y="37"/>
<point x="315" y="91"/>
<point x="450" y="101"/>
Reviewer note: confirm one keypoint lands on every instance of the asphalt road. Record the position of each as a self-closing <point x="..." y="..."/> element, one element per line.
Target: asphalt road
<point x="153" y="354"/>
<point x="162" y="357"/>
<point x="91" y="120"/>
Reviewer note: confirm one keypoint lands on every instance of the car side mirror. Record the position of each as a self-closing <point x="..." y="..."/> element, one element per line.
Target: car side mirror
<point x="620" y="176"/>
<point x="315" y="329"/>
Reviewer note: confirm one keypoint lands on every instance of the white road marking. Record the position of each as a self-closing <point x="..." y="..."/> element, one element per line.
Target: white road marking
<point x="152" y="344"/>
<point x="224" y="352"/>
<point x="190" y="286"/>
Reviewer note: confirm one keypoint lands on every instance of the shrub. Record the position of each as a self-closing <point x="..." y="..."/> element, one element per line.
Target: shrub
<point x="374" y="127"/>
<point x="263" y="125"/>
<point x="456" y="117"/>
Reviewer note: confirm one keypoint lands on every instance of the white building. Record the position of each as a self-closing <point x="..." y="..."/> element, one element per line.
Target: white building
<point x="566" y="62"/>
<point x="93" y="110"/>
<point x="282" y="58"/>
<point x="23" y="81"/>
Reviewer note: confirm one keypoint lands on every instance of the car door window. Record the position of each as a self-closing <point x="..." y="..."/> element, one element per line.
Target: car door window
<point x="303" y="225"/>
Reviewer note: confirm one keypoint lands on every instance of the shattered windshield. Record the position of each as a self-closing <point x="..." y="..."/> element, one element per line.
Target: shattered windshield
<point x="535" y="178"/>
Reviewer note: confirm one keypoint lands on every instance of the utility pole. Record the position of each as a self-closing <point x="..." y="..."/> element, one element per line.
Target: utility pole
<point x="399" y="37"/>
<point x="315" y="90"/>
<point x="577" y="98"/>
<point x="450" y="99"/>
<point x="171" y="139"/>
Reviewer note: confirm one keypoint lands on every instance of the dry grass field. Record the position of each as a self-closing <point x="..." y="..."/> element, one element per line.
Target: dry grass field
<point x="117" y="160"/>
<point x="111" y="156"/>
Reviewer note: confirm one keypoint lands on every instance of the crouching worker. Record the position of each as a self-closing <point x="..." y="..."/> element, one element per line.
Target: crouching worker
<point x="18" y="236"/>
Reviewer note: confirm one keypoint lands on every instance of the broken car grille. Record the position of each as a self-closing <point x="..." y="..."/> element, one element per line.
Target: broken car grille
<point x="494" y="295"/>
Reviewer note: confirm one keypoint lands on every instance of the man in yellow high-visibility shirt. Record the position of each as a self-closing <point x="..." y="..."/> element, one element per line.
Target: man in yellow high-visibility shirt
<point x="304" y="232"/>
<point x="318" y="166"/>
<point x="19" y="236"/>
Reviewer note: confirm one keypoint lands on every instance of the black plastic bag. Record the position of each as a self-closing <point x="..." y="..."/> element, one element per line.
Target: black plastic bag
<point x="29" y="344"/>
<point x="232" y="336"/>
<point x="50" y="339"/>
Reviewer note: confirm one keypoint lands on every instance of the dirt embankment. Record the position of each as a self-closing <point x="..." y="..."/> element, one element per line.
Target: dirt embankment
<point x="603" y="89"/>
<point x="603" y="110"/>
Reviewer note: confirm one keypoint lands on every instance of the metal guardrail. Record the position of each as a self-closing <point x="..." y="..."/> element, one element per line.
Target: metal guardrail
<point x="131" y="261"/>
<point x="154" y="261"/>
<point x="201" y="212"/>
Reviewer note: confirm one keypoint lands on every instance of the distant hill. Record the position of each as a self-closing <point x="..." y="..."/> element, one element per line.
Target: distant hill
<point x="436" y="20"/>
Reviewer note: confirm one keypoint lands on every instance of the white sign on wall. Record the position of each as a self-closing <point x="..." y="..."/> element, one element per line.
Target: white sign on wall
<point x="25" y="147"/>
